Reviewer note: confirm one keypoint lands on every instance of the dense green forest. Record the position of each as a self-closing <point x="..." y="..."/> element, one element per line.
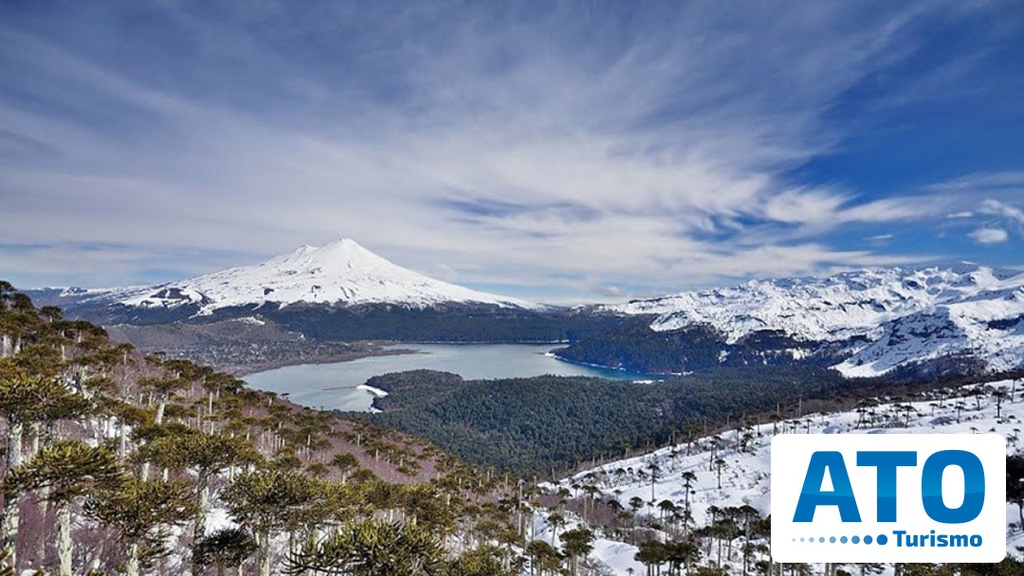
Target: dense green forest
<point x="548" y="425"/>
<point x="631" y="345"/>
<point x="537" y="426"/>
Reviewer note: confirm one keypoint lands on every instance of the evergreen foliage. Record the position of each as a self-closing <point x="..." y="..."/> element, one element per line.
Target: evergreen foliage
<point x="369" y="548"/>
<point x="141" y="513"/>
<point x="550" y="423"/>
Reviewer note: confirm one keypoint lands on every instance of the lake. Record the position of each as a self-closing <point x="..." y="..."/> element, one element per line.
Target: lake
<point x="336" y="386"/>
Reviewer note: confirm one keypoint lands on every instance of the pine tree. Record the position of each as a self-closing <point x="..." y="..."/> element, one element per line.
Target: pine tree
<point x="15" y="403"/>
<point x="482" y="561"/>
<point x="651" y="554"/>
<point x="577" y="543"/>
<point x="140" y="512"/>
<point x="27" y="398"/>
<point x="69" y="469"/>
<point x="204" y="454"/>
<point x="371" y="548"/>
<point x="225" y="548"/>
<point x="270" y="502"/>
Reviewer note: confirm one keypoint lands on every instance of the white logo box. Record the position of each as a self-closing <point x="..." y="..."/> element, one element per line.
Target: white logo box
<point x="828" y="539"/>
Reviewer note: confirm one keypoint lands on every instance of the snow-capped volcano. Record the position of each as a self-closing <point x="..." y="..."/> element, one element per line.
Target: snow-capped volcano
<point x="905" y="314"/>
<point x="341" y="273"/>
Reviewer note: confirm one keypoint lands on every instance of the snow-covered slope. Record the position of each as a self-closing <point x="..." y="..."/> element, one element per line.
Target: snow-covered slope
<point x="342" y="273"/>
<point x="743" y="477"/>
<point x="906" y="314"/>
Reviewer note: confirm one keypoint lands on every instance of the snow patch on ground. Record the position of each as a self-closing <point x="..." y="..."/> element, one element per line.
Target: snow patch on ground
<point x="745" y="476"/>
<point x="375" y="391"/>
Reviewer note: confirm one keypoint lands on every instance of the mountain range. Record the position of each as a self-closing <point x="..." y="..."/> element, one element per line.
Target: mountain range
<point x="916" y="321"/>
<point x="881" y="319"/>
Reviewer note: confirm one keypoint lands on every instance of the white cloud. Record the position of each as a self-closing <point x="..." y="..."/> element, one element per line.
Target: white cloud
<point x="989" y="235"/>
<point x="982" y="181"/>
<point x="612" y="156"/>
<point x="805" y="206"/>
<point x="997" y="208"/>
<point x="1001" y="193"/>
<point x="893" y="209"/>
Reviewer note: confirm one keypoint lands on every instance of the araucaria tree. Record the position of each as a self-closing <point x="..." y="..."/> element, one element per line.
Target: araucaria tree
<point x="203" y="454"/>
<point x="37" y="391"/>
<point x="371" y="548"/>
<point x="141" y="512"/>
<point x="269" y="502"/>
<point x="69" y="470"/>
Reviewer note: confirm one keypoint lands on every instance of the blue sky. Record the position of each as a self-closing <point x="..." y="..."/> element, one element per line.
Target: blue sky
<point x="569" y="150"/>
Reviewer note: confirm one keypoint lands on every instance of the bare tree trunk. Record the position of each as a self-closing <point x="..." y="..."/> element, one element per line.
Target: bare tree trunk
<point x="144" y="473"/>
<point x="6" y="346"/>
<point x="35" y="444"/>
<point x="42" y="542"/>
<point x="199" y="524"/>
<point x="12" y="502"/>
<point x="64" y="538"/>
<point x="160" y="412"/>
<point x="122" y="441"/>
<point x="265" y="553"/>
<point x="35" y="430"/>
<point x="131" y="567"/>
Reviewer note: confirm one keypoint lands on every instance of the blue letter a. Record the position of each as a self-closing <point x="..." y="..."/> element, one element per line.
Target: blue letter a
<point x="841" y="495"/>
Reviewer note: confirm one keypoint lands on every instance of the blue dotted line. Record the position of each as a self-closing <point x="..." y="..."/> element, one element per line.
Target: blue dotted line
<point x="881" y="539"/>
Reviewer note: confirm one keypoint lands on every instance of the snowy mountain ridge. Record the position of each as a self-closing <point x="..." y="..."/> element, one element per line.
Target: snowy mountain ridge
<point x="339" y="273"/>
<point x="903" y="314"/>
<point x="904" y="321"/>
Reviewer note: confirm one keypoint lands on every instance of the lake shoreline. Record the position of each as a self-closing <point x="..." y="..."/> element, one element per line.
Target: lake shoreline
<point x="334" y="385"/>
<point x="381" y="349"/>
<point x="660" y="377"/>
<point x="376" y="348"/>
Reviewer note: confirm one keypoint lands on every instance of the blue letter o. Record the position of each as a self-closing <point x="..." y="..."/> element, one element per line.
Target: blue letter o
<point x="974" y="486"/>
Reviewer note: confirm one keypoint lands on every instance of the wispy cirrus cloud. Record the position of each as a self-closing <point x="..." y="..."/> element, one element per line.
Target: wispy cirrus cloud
<point x="519" y="145"/>
<point x="1002" y="210"/>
